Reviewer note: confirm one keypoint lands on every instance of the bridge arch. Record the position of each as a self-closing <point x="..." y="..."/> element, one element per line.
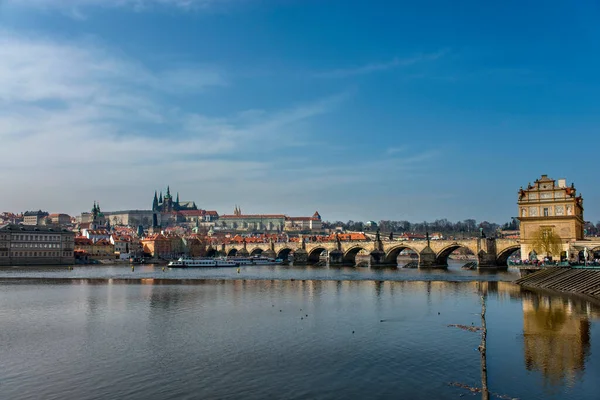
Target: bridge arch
<point x="256" y="251"/>
<point x="391" y="256"/>
<point x="284" y="253"/>
<point x="232" y="252"/>
<point x="350" y="254"/>
<point x="441" y="257"/>
<point x="315" y="254"/>
<point x="503" y="256"/>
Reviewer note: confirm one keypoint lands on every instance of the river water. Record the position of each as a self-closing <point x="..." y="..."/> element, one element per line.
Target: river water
<point x="288" y="333"/>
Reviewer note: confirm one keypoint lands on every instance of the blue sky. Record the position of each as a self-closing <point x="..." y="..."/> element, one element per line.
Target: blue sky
<point x="363" y="110"/>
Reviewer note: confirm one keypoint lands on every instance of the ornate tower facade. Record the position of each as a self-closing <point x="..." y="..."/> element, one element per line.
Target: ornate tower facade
<point x="551" y="215"/>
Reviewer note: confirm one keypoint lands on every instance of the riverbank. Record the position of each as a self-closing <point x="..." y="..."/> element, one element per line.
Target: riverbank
<point x="568" y="280"/>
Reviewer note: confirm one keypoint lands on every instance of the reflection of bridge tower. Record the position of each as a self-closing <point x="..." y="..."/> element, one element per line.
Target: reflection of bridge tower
<point x="556" y="339"/>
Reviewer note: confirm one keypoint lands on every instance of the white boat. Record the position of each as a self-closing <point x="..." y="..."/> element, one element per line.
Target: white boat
<point x="188" y="262"/>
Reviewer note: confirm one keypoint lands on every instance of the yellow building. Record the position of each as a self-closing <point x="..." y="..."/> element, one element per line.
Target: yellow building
<point x="549" y="211"/>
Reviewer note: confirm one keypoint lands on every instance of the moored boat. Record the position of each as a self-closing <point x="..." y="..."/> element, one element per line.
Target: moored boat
<point x="188" y="262"/>
<point x="256" y="260"/>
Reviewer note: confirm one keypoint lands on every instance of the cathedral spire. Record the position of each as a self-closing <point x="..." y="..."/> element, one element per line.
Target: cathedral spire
<point x="168" y="191"/>
<point x="160" y="199"/>
<point x="177" y="199"/>
<point x="155" y="202"/>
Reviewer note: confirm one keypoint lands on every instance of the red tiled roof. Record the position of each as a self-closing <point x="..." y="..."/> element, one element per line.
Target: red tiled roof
<point x="103" y="232"/>
<point x="158" y="236"/>
<point x="192" y="213"/>
<point x="83" y="241"/>
<point x="253" y="216"/>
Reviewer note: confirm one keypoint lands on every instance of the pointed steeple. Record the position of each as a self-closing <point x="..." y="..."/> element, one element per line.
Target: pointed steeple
<point x="177" y="199"/>
<point x="95" y="211"/>
<point x="168" y="191"/>
<point x="160" y="199"/>
<point x="155" y="202"/>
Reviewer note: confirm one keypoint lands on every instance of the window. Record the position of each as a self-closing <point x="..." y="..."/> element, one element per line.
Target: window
<point x="546" y="212"/>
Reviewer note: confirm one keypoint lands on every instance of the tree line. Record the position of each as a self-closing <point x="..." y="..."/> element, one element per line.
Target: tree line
<point x="467" y="227"/>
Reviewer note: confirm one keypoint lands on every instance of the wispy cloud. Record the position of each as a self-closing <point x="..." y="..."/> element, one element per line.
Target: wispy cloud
<point x="394" y="150"/>
<point x="138" y="5"/>
<point x="81" y="117"/>
<point x="382" y="66"/>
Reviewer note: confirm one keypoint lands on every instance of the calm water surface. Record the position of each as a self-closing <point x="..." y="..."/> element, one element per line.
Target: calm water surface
<point x="229" y="338"/>
<point x="453" y="273"/>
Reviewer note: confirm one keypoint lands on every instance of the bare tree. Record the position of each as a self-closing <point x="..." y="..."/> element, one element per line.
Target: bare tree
<point x="546" y="241"/>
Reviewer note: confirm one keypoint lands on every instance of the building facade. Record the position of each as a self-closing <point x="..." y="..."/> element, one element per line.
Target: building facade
<point x="99" y="250"/>
<point x="132" y="218"/>
<point x="304" y="224"/>
<point x="34" y="217"/>
<point x="251" y="222"/>
<point x="551" y="217"/>
<point x="268" y="222"/>
<point x="157" y="246"/>
<point x="35" y="245"/>
<point x="60" y="219"/>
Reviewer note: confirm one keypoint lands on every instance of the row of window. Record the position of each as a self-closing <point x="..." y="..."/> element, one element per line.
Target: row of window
<point x="42" y="245"/>
<point x="37" y="254"/>
<point x="44" y="238"/>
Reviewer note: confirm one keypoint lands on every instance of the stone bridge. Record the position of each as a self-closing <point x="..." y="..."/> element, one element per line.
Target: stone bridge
<point x="490" y="252"/>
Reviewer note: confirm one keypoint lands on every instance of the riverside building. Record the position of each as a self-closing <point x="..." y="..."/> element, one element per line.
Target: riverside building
<point x="549" y="211"/>
<point x="35" y="245"/>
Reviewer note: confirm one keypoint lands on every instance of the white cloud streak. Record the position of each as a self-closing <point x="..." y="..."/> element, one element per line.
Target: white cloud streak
<point x="382" y="66"/>
<point x="82" y="119"/>
<point x="138" y="5"/>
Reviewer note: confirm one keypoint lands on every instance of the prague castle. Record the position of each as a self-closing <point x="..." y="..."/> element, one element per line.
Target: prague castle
<point x="551" y="215"/>
<point x="167" y="204"/>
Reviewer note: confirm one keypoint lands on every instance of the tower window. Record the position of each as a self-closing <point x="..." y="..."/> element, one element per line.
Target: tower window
<point x="545" y="212"/>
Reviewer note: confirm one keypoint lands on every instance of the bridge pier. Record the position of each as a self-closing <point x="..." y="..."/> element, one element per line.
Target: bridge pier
<point x="269" y="253"/>
<point x="336" y="257"/>
<point x="428" y="259"/>
<point x="300" y="257"/>
<point x="378" y="257"/>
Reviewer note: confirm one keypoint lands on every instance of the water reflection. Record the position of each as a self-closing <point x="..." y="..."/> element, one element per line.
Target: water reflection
<point x="295" y="338"/>
<point x="556" y="335"/>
